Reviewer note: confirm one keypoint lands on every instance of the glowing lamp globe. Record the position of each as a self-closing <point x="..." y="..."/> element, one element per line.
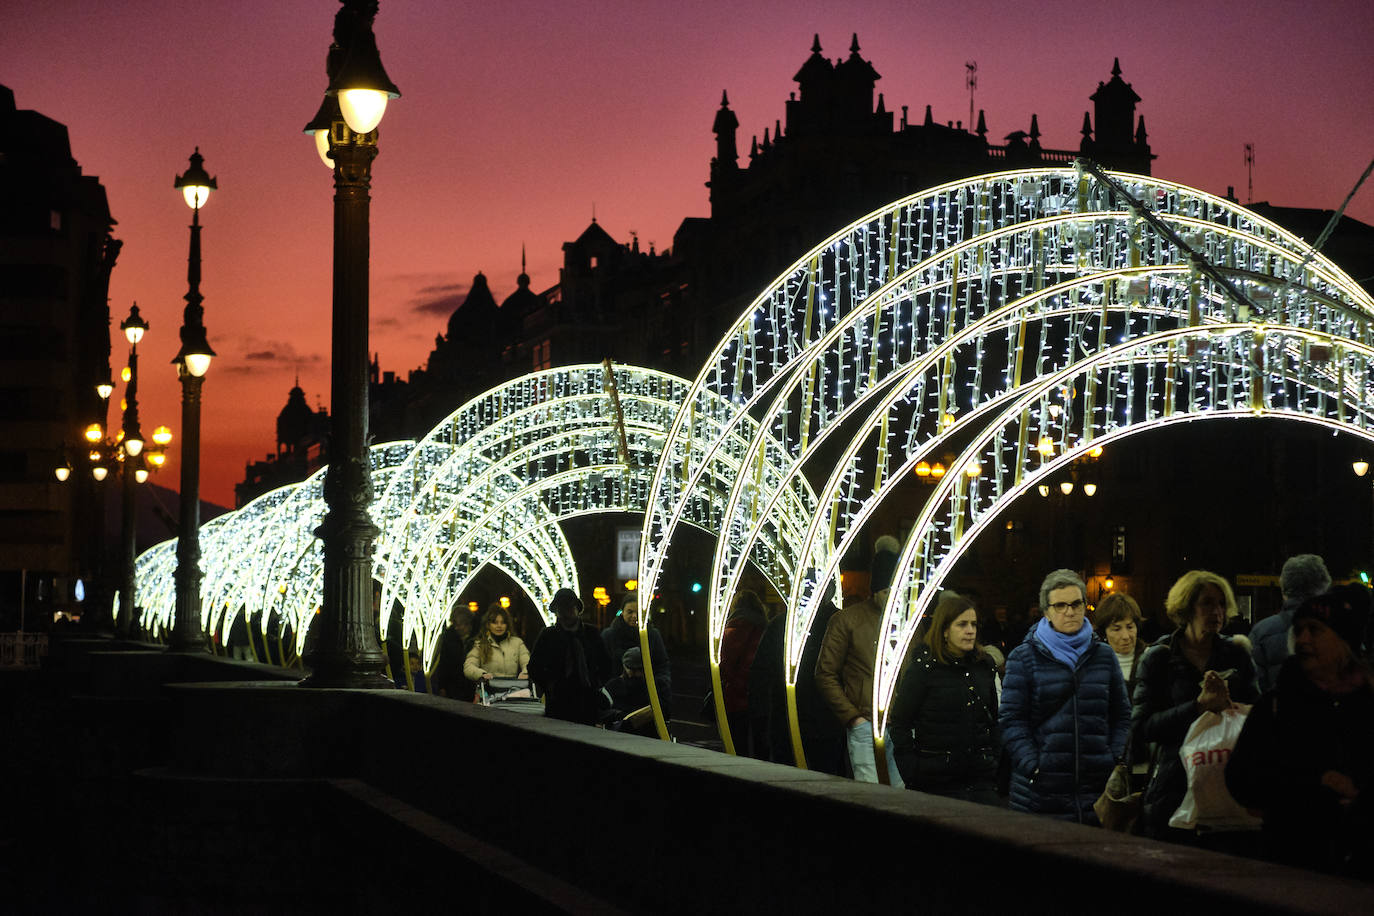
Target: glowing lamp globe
<point x="1360" y="467"/>
<point x="1090" y="489"/>
<point x="99" y="472"/>
<point x="195" y="183"/>
<point x="162" y="435"/>
<point x="134" y="327"/>
<point x="362" y="109"/>
<point x="1066" y="487"/>
<point x="141" y="475"/>
<point x="94" y="433"/>
<point x="320" y="126"/>
<point x="133" y="446"/>
<point x="63" y="471"/>
<point x="198" y="364"/>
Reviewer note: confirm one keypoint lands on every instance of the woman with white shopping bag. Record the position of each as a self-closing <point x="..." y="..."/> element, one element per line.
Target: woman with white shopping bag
<point x="1306" y="756"/>
<point x="1193" y="671"/>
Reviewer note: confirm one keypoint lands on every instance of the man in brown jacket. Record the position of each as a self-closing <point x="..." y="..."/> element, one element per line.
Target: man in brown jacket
<point x="844" y="670"/>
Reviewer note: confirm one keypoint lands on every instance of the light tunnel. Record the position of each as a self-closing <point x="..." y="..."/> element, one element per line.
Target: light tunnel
<point x="1017" y="319"/>
<point x="912" y="330"/>
<point x="489" y="485"/>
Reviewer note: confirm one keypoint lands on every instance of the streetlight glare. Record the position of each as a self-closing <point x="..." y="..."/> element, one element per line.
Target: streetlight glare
<point x="322" y="147"/>
<point x="162" y="435"/>
<point x="196" y="195"/>
<point x="362" y="109"/>
<point x="198" y="364"/>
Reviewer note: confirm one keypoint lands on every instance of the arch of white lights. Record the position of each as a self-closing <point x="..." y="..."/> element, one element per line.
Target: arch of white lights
<point x="489" y="485"/>
<point x="1018" y="319"/>
<point x="548" y="447"/>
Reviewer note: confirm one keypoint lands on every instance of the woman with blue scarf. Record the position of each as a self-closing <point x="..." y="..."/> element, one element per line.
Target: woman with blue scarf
<point x="1064" y="714"/>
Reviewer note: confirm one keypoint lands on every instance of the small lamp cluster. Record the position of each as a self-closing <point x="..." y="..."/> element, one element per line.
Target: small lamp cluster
<point x="128" y="444"/>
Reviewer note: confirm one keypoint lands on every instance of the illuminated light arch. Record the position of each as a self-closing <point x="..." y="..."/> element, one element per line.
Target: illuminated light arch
<point x="884" y="329"/>
<point x="153" y="571"/>
<point x="490" y="486"/>
<point x="559" y="432"/>
<point x="1254" y="370"/>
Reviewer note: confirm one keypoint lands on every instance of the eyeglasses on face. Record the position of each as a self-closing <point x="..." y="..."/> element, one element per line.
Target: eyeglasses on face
<point x="1060" y="607"/>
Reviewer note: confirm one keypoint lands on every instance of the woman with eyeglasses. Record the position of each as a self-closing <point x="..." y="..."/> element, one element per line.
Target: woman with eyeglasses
<point x="1194" y="670"/>
<point x="1064" y="712"/>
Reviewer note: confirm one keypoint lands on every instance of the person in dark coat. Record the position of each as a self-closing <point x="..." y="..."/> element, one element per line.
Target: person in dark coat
<point x="1302" y="576"/>
<point x="569" y="663"/>
<point x="625" y="698"/>
<point x="739" y="644"/>
<point x="822" y="738"/>
<point x="1305" y="759"/>
<point x="623" y="635"/>
<point x="1064" y="714"/>
<point x="944" y="714"/>
<point x="1179" y="678"/>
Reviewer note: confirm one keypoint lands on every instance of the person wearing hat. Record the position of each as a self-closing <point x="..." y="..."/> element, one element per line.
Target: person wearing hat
<point x="569" y="663"/>
<point x="844" y="669"/>
<point x="1303" y="576"/>
<point x="1305" y="759"/>
<point x="627" y="694"/>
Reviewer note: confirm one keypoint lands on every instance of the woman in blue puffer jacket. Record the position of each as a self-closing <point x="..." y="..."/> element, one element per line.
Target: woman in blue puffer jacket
<point x="1064" y="711"/>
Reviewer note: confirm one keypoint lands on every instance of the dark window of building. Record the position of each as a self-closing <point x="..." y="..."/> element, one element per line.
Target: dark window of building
<point x="22" y="526"/>
<point x="14" y="465"/>
<point x="26" y="342"/>
<point x="28" y="404"/>
<point x="33" y="281"/>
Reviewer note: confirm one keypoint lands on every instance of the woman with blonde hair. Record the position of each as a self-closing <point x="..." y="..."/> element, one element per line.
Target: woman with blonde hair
<point x="944" y="715"/>
<point x="1194" y="670"/>
<point x="497" y="652"/>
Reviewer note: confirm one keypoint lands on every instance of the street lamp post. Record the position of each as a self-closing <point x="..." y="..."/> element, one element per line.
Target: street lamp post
<point x="134" y="327"/>
<point x="345" y="649"/>
<point x="192" y="362"/>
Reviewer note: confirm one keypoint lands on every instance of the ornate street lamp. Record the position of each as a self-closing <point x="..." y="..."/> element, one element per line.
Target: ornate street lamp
<point x="192" y="362"/>
<point x="345" y="651"/>
<point x="134" y="327"/>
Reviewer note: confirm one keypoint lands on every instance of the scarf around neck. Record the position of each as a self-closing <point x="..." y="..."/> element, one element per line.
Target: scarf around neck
<point x="1067" y="647"/>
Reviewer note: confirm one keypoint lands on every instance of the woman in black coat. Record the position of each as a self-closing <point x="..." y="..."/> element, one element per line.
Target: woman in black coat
<point x="1193" y="671"/>
<point x="944" y="716"/>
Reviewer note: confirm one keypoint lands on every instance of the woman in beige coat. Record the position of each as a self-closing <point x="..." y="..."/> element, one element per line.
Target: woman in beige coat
<point x="497" y="652"/>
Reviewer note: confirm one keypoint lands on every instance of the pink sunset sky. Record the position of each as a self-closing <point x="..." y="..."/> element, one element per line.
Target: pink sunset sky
<point x="518" y="118"/>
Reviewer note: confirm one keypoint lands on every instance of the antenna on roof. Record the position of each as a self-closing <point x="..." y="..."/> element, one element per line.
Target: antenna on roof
<point x="1250" y="173"/>
<point x="970" y="81"/>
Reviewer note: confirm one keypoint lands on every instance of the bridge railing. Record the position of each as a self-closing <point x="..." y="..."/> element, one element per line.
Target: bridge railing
<point x="22" y="650"/>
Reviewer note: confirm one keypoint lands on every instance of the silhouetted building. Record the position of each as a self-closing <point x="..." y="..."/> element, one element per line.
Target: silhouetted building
<point x="56" y="254"/>
<point x="302" y="438"/>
